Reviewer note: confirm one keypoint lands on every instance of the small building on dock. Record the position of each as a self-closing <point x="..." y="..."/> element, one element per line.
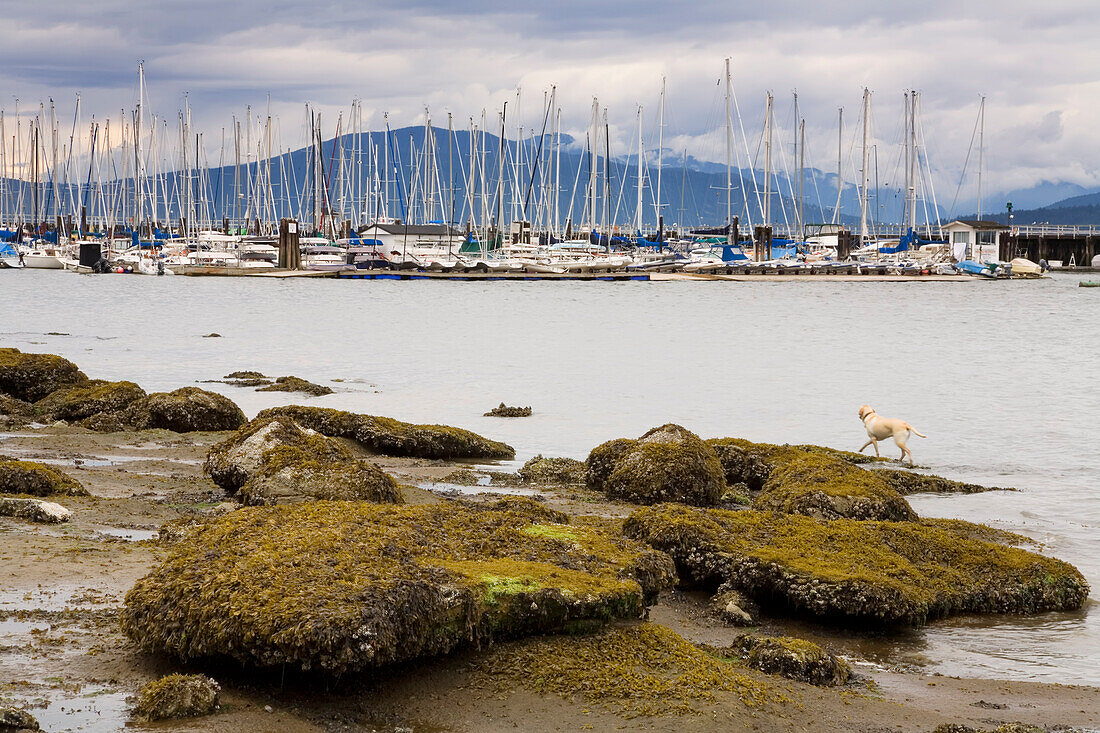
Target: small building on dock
<point x="974" y="239"/>
<point x="398" y="236"/>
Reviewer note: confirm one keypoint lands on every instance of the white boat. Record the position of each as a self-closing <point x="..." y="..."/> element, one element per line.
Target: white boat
<point x="44" y="257"/>
<point x="323" y="257"/>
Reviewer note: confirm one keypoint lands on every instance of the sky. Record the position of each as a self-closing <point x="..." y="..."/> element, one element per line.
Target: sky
<point x="1037" y="64"/>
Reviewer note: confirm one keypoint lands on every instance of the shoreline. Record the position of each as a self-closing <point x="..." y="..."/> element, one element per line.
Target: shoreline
<point x="63" y="586"/>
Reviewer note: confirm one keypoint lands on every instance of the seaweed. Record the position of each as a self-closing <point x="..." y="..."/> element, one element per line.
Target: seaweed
<point x="846" y="571"/>
<point x="36" y="479"/>
<point x="391" y="437"/>
<point x="84" y="400"/>
<point x="342" y="586"/>
<point x="296" y="384"/>
<point x="30" y="377"/>
<point x="177" y="696"/>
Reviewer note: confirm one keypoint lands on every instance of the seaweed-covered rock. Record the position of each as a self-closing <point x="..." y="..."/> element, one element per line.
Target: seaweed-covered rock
<point x="233" y="461"/>
<point x="177" y="696"/>
<point x="740" y="464"/>
<point x="182" y="411"/>
<point x="668" y="463"/>
<point x="296" y="384"/>
<point x="273" y="460"/>
<point x="1005" y="728"/>
<point x="892" y="573"/>
<point x="336" y="586"/>
<point x="395" y="438"/>
<point x="34" y="510"/>
<point x="15" y="720"/>
<point x="733" y="608"/>
<point x="503" y="410"/>
<point x="825" y="487"/>
<point x="84" y="400"/>
<point x="907" y="482"/>
<point x="319" y="468"/>
<point x="540" y="470"/>
<point x="30" y="377"/>
<point x="36" y="479"/>
<point x="796" y="659"/>
<point x="13" y="412"/>
<point x="245" y="374"/>
<point x="602" y="460"/>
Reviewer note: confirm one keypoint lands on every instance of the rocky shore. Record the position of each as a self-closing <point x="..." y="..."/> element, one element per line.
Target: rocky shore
<point x="314" y="564"/>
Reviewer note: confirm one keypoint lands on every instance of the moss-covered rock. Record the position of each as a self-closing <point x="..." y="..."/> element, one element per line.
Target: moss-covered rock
<point x="795" y="659"/>
<point x="273" y="460"/>
<point x="15" y="720"/>
<point x="1005" y="728"/>
<point x="177" y="696"/>
<point x="733" y="608"/>
<point x="233" y="461"/>
<point x="182" y="411"/>
<point x="540" y="470"/>
<point x="36" y="479"/>
<point x="668" y="463"/>
<point x="395" y="438"/>
<point x="740" y="464"/>
<point x="84" y="400"/>
<point x="30" y="377"/>
<point x="907" y="482"/>
<point x="311" y="471"/>
<point x="10" y="406"/>
<point x="846" y="571"/>
<point x="602" y="460"/>
<point x="33" y="510"/>
<point x="296" y="384"/>
<point x="819" y="485"/>
<point x="337" y="586"/>
<point x="642" y="669"/>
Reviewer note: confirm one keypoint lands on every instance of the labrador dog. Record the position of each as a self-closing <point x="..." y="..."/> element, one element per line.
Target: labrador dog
<point x="881" y="428"/>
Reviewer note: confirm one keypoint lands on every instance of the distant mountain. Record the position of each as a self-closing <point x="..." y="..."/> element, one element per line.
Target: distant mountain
<point x="1085" y="200"/>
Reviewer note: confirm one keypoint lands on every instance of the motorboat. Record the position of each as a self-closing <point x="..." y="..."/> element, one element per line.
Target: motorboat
<point x="1023" y="267"/>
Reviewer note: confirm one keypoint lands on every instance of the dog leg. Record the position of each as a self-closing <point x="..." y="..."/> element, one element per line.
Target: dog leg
<point x="865" y="445"/>
<point x="875" y="443"/>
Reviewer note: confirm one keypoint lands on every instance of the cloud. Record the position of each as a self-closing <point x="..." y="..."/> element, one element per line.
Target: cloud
<point x="1034" y="63"/>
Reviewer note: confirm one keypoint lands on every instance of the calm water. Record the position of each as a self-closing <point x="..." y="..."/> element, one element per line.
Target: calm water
<point x="1001" y="376"/>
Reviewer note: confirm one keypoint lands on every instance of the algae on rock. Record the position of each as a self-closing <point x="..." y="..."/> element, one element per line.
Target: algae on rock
<point x="36" y="479"/>
<point x="30" y="377"/>
<point x="891" y="573"/>
<point x="84" y="400"/>
<point x="540" y="470"/>
<point x="177" y="696"/>
<point x="395" y="438"/>
<point x="183" y="410"/>
<point x="668" y="463"/>
<point x="296" y="384"/>
<point x="339" y="586"/>
<point x="795" y="659"/>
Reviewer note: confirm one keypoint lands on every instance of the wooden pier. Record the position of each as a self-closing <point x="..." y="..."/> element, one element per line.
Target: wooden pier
<point x="1073" y="246"/>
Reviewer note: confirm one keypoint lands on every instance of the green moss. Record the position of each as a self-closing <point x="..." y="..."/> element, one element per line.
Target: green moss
<point x="83" y="401"/>
<point x="907" y="482"/>
<point x="540" y="470"/>
<point x="794" y="658"/>
<point x="643" y="669"/>
<point x="183" y="410"/>
<point x="30" y="377"/>
<point x="36" y="479"/>
<point x="392" y="437"/>
<point x="602" y="460"/>
<point x="823" y="486"/>
<point x="342" y="586"/>
<point x="842" y="570"/>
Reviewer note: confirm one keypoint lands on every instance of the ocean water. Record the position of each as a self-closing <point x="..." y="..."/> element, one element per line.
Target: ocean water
<point x="1001" y="376"/>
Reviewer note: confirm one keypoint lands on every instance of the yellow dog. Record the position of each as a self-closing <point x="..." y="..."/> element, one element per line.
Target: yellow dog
<point x="881" y="428"/>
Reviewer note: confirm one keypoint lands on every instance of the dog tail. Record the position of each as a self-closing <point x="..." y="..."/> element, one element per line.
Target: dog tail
<point x="914" y="431"/>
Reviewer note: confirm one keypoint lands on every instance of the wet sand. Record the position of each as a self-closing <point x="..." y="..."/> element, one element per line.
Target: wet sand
<point x="63" y="657"/>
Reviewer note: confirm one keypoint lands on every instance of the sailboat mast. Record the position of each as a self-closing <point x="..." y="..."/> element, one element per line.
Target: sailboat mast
<point x="912" y="161"/>
<point x="863" y="188"/>
<point x="801" y="176"/>
<point x="767" y="158"/>
<point x="660" y="150"/>
<point x="839" y="170"/>
<point x="981" y="151"/>
<point x="638" y="209"/>
<point x="729" y="160"/>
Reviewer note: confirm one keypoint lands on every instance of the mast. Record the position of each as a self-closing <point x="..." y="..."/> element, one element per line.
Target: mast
<point x="638" y="209"/>
<point x="981" y="151"/>
<point x="801" y="176"/>
<point x="729" y="160"/>
<point x="660" y="149"/>
<point x="839" y="170"/>
<point x="767" y="158"/>
<point x="863" y="189"/>
<point x="911" y="159"/>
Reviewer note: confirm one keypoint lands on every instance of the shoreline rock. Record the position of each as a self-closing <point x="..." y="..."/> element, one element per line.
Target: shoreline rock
<point x="183" y="410"/>
<point x="668" y="463"/>
<point x="30" y="377"/>
<point x="34" y="510"/>
<point x="73" y="404"/>
<point x="177" y="696"/>
<point x="336" y="587"/>
<point x="795" y="659"/>
<point x="856" y="572"/>
<point x="296" y="384"/>
<point x="36" y="479"/>
<point x="395" y="438"/>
